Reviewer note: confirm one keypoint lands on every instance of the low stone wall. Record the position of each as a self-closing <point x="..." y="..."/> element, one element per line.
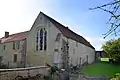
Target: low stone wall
<point x="11" y="74"/>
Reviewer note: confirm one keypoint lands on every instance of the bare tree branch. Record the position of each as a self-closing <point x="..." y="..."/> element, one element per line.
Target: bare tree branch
<point x="114" y="20"/>
<point x="111" y="3"/>
<point x="108" y="11"/>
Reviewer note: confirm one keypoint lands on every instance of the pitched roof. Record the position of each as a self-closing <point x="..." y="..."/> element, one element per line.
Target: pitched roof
<point x="69" y="33"/>
<point x="15" y="37"/>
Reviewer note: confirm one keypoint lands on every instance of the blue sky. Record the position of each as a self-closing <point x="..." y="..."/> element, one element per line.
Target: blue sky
<point x="19" y="15"/>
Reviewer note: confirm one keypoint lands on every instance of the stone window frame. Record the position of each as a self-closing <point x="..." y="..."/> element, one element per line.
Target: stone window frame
<point x="41" y="39"/>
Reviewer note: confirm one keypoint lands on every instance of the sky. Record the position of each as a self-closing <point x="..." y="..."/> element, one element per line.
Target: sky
<point x="19" y="15"/>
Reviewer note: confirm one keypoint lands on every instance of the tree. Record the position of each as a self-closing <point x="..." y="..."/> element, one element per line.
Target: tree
<point x="112" y="49"/>
<point x="114" y="9"/>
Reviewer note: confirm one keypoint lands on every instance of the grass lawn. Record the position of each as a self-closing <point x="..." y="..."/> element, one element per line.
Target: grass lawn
<point x="104" y="59"/>
<point x="101" y="69"/>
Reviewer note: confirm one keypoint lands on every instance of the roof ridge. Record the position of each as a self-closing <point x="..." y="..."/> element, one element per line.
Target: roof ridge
<point x="16" y="33"/>
<point x="53" y="19"/>
<point x="72" y="36"/>
<point x="14" y="37"/>
<point x="19" y="33"/>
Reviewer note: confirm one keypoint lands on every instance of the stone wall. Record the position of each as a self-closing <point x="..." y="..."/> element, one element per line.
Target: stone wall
<point x="11" y="74"/>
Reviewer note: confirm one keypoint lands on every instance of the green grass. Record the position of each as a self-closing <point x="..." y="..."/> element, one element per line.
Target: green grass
<point x="105" y="59"/>
<point x="101" y="69"/>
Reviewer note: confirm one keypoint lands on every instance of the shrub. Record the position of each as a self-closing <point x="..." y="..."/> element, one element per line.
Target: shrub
<point x="111" y="61"/>
<point x="3" y="66"/>
<point x="116" y="77"/>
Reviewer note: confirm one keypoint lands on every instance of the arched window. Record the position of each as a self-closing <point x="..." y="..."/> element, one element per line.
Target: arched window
<point x="37" y="37"/>
<point x="41" y="39"/>
<point x="45" y="40"/>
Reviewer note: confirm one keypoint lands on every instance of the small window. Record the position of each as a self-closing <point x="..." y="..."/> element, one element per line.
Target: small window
<point x="40" y="18"/>
<point x="41" y="39"/>
<point x="45" y="40"/>
<point x="48" y="24"/>
<point x="73" y="51"/>
<point x="1" y="58"/>
<point x="18" y="44"/>
<point x="76" y="44"/>
<point x="37" y="40"/>
<point x="15" y="57"/>
<point x="4" y="47"/>
<point x="36" y="47"/>
<point x="13" y="45"/>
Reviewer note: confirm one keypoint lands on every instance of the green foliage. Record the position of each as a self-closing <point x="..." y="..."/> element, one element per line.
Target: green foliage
<point x="112" y="49"/>
<point x="53" y="70"/>
<point x="3" y="66"/>
<point x="113" y="8"/>
<point x="117" y="77"/>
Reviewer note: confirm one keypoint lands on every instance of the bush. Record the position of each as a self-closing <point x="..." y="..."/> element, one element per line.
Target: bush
<point x="116" y="77"/>
<point x="117" y="61"/>
<point x="112" y="49"/>
<point x="3" y="66"/>
<point x="53" y="70"/>
<point x="111" y="60"/>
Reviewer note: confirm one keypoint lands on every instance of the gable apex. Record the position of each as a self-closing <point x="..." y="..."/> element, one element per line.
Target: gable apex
<point x="38" y="19"/>
<point x="68" y="33"/>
